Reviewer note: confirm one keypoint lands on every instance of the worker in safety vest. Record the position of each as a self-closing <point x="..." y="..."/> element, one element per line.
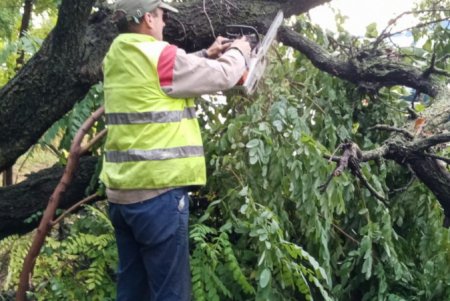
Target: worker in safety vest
<point x="153" y="151"/>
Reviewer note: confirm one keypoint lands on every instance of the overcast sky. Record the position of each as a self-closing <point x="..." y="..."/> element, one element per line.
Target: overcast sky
<point x="361" y="13"/>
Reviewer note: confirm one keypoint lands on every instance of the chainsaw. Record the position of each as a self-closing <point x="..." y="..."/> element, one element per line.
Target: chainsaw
<point x="258" y="56"/>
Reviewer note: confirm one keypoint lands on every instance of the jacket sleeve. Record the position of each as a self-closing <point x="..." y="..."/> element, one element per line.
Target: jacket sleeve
<point x="187" y="75"/>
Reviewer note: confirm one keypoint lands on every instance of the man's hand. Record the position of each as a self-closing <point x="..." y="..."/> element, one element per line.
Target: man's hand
<point x="219" y="46"/>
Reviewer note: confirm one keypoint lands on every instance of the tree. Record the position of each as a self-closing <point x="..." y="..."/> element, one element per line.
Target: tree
<point x="268" y="200"/>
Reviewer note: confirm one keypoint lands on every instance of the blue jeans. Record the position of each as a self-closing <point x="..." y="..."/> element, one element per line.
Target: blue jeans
<point x="152" y="240"/>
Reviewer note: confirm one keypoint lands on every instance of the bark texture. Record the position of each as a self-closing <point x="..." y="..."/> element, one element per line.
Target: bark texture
<point x="20" y="201"/>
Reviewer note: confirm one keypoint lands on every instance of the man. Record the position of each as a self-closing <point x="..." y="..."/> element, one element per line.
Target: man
<point x="154" y="151"/>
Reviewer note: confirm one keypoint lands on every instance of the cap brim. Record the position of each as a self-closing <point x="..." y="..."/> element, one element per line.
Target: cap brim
<point x="168" y="7"/>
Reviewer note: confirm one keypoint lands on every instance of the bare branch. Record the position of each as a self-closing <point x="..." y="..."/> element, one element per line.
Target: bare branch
<point x="385" y="127"/>
<point x="420" y="25"/>
<point x="369" y="187"/>
<point x="404" y="188"/>
<point x="88" y="199"/>
<point x="393" y="21"/>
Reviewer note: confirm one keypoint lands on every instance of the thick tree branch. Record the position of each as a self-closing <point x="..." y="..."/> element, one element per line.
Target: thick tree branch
<point x="21" y="201"/>
<point x="364" y="69"/>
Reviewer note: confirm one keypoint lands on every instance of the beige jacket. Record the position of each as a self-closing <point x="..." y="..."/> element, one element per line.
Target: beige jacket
<point x="185" y="75"/>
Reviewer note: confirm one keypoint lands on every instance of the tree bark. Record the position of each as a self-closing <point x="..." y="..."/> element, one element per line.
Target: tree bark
<point x="24" y="25"/>
<point x="46" y="87"/>
<point x="19" y="202"/>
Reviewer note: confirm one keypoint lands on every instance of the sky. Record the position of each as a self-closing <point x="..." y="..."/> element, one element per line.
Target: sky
<point x="361" y="13"/>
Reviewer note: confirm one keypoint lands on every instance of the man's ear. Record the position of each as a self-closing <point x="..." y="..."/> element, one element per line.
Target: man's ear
<point x="148" y="20"/>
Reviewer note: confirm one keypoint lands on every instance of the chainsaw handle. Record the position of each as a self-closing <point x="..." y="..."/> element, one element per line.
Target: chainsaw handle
<point x="249" y="32"/>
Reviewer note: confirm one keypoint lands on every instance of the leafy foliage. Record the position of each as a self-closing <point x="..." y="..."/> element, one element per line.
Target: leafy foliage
<point x="77" y="265"/>
<point x="262" y="229"/>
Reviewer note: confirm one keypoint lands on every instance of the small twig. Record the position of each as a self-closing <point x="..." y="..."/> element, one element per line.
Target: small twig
<point x="404" y="188"/>
<point x="345" y="234"/>
<point x="231" y="4"/>
<point x="342" y="231"/>
<point x="310" y="98"/>
<point x="444" y="58"/>
<point x="393" y="21"/>
<point x="209" y="20"/>
<point x="335" y="151"/>
<point x="73" y="208"/>
<point x="386" y="127"/>
<point x="439" y="71"/>
<point x="368" y="186"/>
<point x="332" y="158"/>
<point x="182" y="26"/>
<point x="416" y="26"/>
<point x="322" y="188"/>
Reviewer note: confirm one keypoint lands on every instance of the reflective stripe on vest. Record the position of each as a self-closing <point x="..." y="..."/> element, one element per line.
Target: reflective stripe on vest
<point x="150" y="117"/>
<point x="154" y="154"/>
<point x="153" y="140"/>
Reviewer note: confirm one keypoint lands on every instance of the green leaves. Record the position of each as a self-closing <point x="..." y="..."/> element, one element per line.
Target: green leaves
<point x="264" y="278"/>
<point x="371" y="30"/>
<point x="80" y="267"/>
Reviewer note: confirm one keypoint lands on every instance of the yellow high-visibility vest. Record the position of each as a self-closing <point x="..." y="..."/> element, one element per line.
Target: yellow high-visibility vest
<point x="153" y="140"/>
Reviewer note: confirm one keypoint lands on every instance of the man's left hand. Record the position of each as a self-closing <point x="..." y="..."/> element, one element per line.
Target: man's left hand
<point x="219" y="46"/>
